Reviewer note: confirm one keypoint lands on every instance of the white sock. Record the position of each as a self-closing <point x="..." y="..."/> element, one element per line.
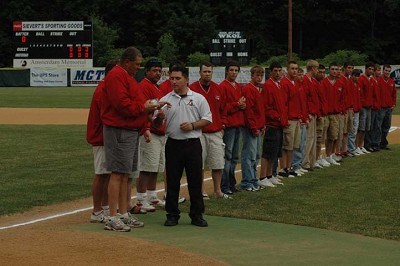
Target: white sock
<point x="151" y="193"/>
<point x="141" y="196"/>
<point x="105" y="208"/>
<point x="98" y="212"/>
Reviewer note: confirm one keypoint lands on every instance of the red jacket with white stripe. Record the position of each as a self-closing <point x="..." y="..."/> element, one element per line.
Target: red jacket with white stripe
<point x="274" y="108"/>
<point x="254" y="115"/>
<point x="94" y="129"/>
<point x="234" y="115"/>
<point x="388" y="92"/>
<point x="216" y="100"/>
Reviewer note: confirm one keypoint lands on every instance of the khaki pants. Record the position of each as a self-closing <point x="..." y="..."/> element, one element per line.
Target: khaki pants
<point x="311" y="143"/>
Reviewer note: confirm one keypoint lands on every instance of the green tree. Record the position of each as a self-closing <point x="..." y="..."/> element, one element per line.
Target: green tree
<point x="168" y="50"/>
<point x="104" y="38"/>
<point x="343" y="56"/>
<point x="196" y="58"/>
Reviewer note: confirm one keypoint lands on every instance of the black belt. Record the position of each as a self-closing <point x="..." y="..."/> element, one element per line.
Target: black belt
<point x="184" y="140"/>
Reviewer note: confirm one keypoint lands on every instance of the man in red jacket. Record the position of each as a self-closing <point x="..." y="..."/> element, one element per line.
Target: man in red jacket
<point x="254" y="127"/>
<point x="122" y="107"/>
<point x="366" y="103"/>
<point x="211" y="139"/>
<point x="235" y="104"/>
<point x="275" y="120"/>
<point x="151" y="144"/>
<point x="355" y="103"/>
<point x="333" y="88"/>
<point x="373" y="137"/>
<point x="296" y="113"/>
<point x="94" y="136"/>
<point x="388" y="101"/>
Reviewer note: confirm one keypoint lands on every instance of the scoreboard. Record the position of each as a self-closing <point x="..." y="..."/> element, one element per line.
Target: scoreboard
<point x="53" y="44"/>
<point x="229" y="45"/>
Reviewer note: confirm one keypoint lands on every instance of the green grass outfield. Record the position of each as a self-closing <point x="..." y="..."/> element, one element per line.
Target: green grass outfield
<point x="61" y="97"/>
<point x="46" y="97"/>
<point x="42" y="165"/>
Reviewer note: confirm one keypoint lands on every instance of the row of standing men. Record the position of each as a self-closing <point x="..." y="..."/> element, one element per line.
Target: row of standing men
<point x="295" y="114"/>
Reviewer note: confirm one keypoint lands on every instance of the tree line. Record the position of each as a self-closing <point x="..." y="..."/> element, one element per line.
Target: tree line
<point x="182" y="29"/>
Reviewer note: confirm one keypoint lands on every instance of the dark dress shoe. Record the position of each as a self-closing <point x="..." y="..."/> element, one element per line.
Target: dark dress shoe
<point x="199" y="222"/>
<point x="171" y="222"/>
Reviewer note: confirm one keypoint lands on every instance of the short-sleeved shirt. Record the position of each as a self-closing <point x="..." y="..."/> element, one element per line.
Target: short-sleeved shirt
<point x="190" y="108"/>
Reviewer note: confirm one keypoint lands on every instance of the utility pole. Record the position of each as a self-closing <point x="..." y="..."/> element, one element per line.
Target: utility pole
<point x="290" y="50"/>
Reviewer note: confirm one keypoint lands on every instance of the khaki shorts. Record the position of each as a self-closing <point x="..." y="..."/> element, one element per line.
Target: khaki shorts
<point x="213" y="150"/>
<point x="152" y="154"/>
<point x="348" y="122"/>
<point x="291" y="135"/>
<point x="333" y="128"/>
<point x="341" y="125"/>
<point x="320" y="129"/>
<point x="100" y="165"/>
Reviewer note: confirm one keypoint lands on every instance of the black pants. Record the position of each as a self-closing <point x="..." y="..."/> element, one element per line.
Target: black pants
<point x="180" y="155"/>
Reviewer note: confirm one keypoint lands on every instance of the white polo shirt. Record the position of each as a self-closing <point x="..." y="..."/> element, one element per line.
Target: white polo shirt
<point x="189" y="109"/>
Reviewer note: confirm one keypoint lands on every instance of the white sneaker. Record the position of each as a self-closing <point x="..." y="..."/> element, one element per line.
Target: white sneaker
<point x="359" y="151"/>
<point x="99" y="218"/>
<point x="116" y="224"/>
<point x="274" y="180"/>
<point x="157" y="202"/>
<point x="303" y="170"/>
<point x="317" y="165"/>
<point x="337" y="158"/>
<point x="265" y="183"/>
<point x="299" y="172"/>
<point x="130" y="220"/>
<point x="324" y="162"/>
<point x="364" y="150"/>
<point x="332" y="161"/>
<point x="146" y="206"/>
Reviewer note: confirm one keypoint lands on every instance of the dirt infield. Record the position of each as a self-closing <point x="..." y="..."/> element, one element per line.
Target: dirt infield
<point x="55" y="242"/>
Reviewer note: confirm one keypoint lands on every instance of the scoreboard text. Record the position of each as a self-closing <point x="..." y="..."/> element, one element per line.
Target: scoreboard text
<point x="53" y="44"/>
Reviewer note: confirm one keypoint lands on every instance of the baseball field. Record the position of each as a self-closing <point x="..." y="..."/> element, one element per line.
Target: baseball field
<point x="347" y="214"/>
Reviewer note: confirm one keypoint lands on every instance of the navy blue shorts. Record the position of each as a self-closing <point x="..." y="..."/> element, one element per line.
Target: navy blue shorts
<point x="272" y="145"/>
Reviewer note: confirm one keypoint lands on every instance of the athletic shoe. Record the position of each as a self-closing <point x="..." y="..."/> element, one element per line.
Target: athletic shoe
<point x="146" y="206"/>
<point x="323" y="163"/>
<point x="99" y="218"/>
<point x="266" y="183"/>
<point x="283" y="173"/>
<point x="301" y="169"/>
<point x="332" y="161"/>
<point x="336" y="157"/>
<point x="205" y="196"/>
<point x="257" y="188"/>
<point x="181" y="199"/>
<point x="116" y="224"/>
<point x="292" y="173"/>
<point x="359" y="151"/>
<point x="317" y="165"/>
<point x="299" y="172"/>
<point x="364" y="150"/>
<point x="131" y="221"/>
<point x="274" y="180"/>
<point x="156" y="202"/>
<point x="137" y="210"/>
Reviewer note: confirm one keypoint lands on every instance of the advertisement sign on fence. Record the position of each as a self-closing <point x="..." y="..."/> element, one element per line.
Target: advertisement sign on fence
<point x="86" y="77"/>
<point x="48" y="77"/>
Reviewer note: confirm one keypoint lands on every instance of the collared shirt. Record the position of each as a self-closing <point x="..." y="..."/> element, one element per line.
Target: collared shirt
<point x="189" y="109"/>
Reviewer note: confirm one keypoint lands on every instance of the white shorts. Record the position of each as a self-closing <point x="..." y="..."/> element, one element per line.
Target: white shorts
<point x="152" y="154"/>
<point x="99" y="156"/>
<point x="213" y="150"/>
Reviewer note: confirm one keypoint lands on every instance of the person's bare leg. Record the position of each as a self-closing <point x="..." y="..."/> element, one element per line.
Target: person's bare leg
<point x="263" y="170"/>
<point x="217" y="177"/>
<point x="114" y="192"/>
<point x="123" y="194"/>
<point x="104" y="197"/>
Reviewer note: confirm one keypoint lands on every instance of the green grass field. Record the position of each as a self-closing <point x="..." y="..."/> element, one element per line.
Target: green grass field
<point x="46" y="97"/>
<point x="42" y="165"/>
